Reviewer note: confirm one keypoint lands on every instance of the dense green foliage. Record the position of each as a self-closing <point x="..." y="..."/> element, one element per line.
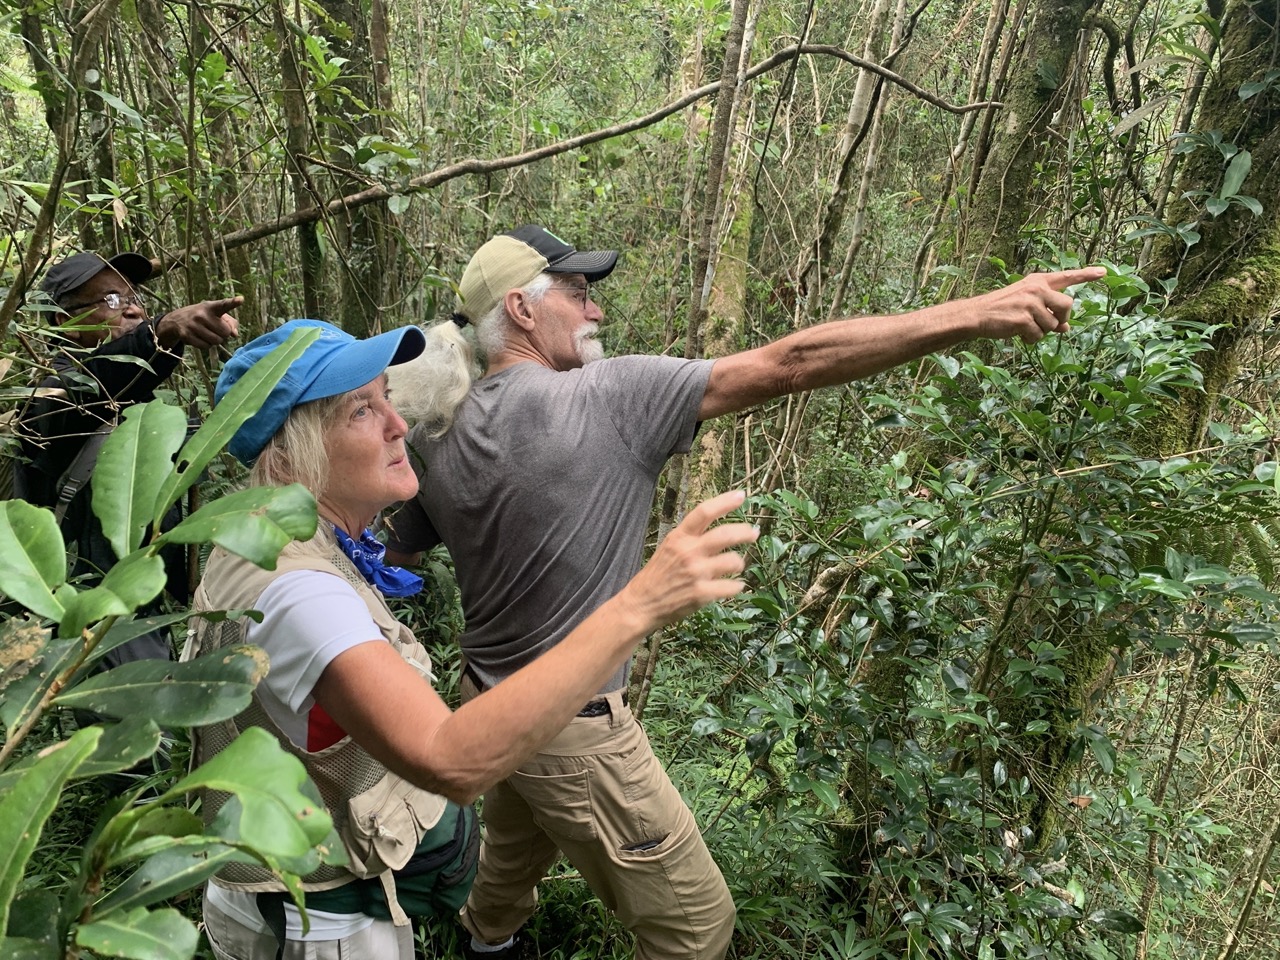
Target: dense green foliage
<point x="1004" y="685"/>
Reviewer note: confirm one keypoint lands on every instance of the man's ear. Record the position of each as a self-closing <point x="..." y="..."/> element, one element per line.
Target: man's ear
<point x="61" y="317"/>
<point x="517" y="307"/>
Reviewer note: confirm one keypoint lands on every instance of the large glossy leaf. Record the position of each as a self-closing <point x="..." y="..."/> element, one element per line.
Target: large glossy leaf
<point x="33" y="561"/>
<point x="255" y="523"/>
<point x="276" y="816"/>
<point x="1237" y="171"/>
<point x="149" y="830"/>
<point x="89" y="606"/>
<point x="33" y="927"/>
<point x="22" y="649"/>
<point x="141" y="934"/>
<point x="24" y="948"/>
<point x="23" y="693"/>
<point x="187" y="863"/>
<point x="137" y="579"/>
<point x="124" y="630"/>
<point x="133" y="464"/>
<point x="241" y="402"/>
<point x="134" y="581"/>
<point x="204" y="690"/>
<point x="123" y="745"/>
<point x="226" y="826"/>
<point x="27" y="804"/>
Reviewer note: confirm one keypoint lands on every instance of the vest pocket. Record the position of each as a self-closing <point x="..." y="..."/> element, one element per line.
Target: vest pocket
<point x="386" y="823"/>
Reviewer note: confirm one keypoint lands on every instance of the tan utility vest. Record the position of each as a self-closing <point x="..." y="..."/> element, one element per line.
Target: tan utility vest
<point x="380" y="817"/>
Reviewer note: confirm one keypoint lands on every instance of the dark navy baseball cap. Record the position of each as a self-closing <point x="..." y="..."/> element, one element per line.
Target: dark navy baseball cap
<point x="80" y="268"/>
<point x="334" y="363"/>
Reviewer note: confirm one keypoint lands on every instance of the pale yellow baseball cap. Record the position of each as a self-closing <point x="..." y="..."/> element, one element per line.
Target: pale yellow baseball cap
<point x="510" y="260"/>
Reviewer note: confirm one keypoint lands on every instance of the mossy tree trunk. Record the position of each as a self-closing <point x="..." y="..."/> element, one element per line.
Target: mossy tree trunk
<point x="1231" y="275"/>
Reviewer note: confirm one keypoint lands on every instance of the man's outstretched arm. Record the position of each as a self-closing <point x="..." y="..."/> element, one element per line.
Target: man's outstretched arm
<point x="844" y="350"/>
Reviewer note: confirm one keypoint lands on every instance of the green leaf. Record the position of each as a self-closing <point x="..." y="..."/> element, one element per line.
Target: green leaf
<point x="1237" y="171"/>
<point x="205" y="690"/>
<point x="90" y="606"/>
<point x="151" y="830"/>
<point x="34" y="918"/>
<point x="141" y="934"/>
<point x="1189" y="50"/>
<point x="398" y="203"/>
<point x="122" y="631"/>
<point x="136" y="580"/>
<point x="188" y="863"/>
<point x="22" y="647"/>
<point x="276" y="817"/>
<point x="825" y="793"/>
<point x="123" y="745"/>
<point x="33" y="561"/>
<point x="115" y="103"/>
<point x="241" y="402"/>
<point x="1048" y="75"/>
<point x="22" y="948"/>
<point x="134" y="463"/>
<point x="1120" y="921"/>
<point x="27" y="805"/>
<point x="1249" y="203"/>
<point x="1135" y="117"/>
<point x="255" y="523"/>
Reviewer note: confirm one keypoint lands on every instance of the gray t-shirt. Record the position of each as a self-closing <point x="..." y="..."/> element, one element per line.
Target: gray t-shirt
<point x="541" y="491"/>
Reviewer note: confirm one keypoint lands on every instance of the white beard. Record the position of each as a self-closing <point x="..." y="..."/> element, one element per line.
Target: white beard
<point x="587" y="346"/>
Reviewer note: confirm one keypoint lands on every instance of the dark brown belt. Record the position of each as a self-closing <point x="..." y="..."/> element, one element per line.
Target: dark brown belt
<point x="594" y="708"/>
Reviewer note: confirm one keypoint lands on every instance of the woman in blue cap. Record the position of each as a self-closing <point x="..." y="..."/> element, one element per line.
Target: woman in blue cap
<point x="349" y="690"/>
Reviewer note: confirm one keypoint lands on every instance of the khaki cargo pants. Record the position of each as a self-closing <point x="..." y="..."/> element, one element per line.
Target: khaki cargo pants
<point x="599" y="795"/>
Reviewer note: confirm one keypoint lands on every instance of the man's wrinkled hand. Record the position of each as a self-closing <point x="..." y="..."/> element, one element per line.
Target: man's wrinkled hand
<point x="1033" y="307"/>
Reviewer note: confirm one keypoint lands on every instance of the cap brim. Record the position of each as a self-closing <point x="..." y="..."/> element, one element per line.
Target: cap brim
<point x="592" y="264"/>
<point x="362" y="361"/>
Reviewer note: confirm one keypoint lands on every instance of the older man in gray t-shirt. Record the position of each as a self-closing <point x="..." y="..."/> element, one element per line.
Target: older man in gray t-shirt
<point x="542" y="491"/>
<point x="540" y="483"/>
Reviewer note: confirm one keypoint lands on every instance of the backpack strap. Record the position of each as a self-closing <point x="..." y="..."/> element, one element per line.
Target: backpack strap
<point x="81" y="468"/>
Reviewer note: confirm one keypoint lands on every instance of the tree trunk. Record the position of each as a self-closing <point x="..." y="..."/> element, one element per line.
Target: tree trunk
<point x="297" y="139"/>
<point x="1231" y="276"/>
<point x="977" y="91"/>
<point x="1006" y="186"/>
<point x="365" y="236"/>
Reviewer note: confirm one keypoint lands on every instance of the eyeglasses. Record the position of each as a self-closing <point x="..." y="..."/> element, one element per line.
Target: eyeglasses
<point x="579" y="293"/>
<point x="114" y="301"/>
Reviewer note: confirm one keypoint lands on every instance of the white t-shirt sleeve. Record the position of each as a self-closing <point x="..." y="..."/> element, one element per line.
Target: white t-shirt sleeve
<point x="308" y="618"/>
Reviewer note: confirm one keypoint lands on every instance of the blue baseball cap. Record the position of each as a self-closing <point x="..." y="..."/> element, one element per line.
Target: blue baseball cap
<point x="334" y="363"/>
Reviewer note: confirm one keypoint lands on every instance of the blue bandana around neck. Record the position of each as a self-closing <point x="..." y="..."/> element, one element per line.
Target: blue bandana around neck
<point x="367" y="553"/>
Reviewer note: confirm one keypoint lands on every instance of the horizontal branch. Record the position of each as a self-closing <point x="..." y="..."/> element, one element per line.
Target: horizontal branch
<point x="435" y="178"/>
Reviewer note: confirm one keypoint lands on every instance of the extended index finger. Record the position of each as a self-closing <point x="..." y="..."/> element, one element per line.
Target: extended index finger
<point x="701" y="517"/>
<point x="1069" y="278"/>
<point x="229" y="303"/>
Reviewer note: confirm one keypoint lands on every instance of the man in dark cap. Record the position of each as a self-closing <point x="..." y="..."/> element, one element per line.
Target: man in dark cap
<point x="539" y="479"/>
<point x="113" y="356"/>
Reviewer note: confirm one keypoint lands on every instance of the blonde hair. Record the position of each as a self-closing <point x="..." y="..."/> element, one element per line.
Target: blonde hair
<point x="297" y="454"/>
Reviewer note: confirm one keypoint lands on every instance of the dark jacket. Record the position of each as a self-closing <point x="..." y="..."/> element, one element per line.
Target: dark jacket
<point x="99" y="384"/>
